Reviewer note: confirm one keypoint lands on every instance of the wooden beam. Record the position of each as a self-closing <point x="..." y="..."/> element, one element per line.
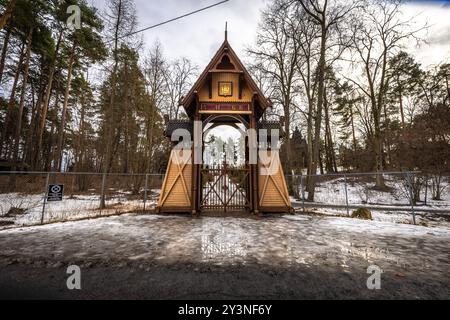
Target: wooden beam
<point x="254" y="170"/>
<point x="196" y="183"/>
<point x="241" y="85"/>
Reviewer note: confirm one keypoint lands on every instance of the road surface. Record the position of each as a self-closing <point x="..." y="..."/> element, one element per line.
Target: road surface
<point x="179" y="257"/>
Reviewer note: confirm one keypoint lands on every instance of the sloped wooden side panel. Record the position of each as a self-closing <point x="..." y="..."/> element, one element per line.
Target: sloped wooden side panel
<point x="176" y="193"/>
<point x="273" y="191"/>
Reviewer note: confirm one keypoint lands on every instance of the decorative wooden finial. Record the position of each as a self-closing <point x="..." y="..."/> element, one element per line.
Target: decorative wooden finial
<point x="226" y="31"/>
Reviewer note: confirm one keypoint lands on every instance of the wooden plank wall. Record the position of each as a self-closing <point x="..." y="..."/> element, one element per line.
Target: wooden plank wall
<point x="247" y="94"/>
<point x="273" y="191"/>
<point x="176" y="193"/>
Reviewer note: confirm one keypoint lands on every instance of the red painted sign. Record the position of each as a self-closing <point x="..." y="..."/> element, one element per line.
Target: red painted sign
<point x="235" y="107"/>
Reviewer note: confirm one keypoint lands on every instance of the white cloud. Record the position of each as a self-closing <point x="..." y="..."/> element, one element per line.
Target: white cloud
<point x="437" y="48"/>
<point x="199" y="36"/>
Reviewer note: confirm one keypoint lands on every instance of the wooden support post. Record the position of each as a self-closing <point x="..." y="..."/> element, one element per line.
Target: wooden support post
<point x="45" y="197"/>
<point x="195" y="167"/>
<point x="145" y="192"/>
<point x="195" y="189"/>
<point x="254" y="171"/>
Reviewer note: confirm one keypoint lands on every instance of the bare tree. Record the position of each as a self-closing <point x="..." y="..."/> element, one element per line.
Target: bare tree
<point x="306" y="37"/>
<point x="276" y="54"/>
<point x="178" y="78"/>
<point x="155" y="71"/>
<point x="377" y="34"/>
<point x="327" y="16"/>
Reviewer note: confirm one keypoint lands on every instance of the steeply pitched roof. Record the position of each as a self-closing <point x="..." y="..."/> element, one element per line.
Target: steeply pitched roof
<point x="225" y="49"/>
<point x="271" y="126"/>
<point x="173" y="125"/>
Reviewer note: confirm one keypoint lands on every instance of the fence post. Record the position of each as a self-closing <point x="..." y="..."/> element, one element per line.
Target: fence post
<point x="45" y="197"/>
<point x="346" y="195"/>
<point x="145" y="190"/>
<point x="102" y="194"/>
<point x="411" y="195"/>
<point x="303" y="193"/>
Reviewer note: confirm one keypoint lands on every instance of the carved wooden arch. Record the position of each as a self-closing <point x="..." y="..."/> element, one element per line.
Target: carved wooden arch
<point x="218" y="124"/>
<point x="236" y="117"/>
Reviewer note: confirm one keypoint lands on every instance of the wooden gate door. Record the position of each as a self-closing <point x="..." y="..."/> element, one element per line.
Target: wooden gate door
<point x="225" y="189"/>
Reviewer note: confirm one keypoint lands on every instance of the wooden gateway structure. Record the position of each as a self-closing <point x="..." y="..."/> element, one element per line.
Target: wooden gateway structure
<point x="225" y="94"/>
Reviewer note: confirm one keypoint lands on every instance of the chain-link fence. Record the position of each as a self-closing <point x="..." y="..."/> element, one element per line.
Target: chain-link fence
<point x="24" y="195"/>
<point x="407" y="193"/>
<point x="26" y="198"/>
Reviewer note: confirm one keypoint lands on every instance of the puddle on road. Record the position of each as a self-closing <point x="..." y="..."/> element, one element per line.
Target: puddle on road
<point x="229" y="241"/>
<point x="221" y="244"/>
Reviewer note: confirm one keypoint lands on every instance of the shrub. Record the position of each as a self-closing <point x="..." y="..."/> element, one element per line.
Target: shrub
<point x="13" y="211"/>
<point x="362" y="213"/>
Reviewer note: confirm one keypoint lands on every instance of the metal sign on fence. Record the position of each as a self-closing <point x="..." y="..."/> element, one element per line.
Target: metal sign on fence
<point x="55" y="192"/>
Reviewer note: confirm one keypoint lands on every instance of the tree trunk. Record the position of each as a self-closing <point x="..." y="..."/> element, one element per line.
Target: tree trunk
<point x="310" y="145"/>
<point x="150" y="128"/>
<point x="7" y="15"/>
<point x="437" y="187"/>
<point x="287" y="129"/>
<point x="378" y="149"/>
<point x="22" y="101"/>
<point x="321" y="162"/>
<point x="61" y="132"/>
<point x="402" y="112"/>
<point x="318" y="120"/>
<point x="126" y="165"/>
<point x="11" y="101"/>
<point x="29" y="146"/>
<point x="43" y="116"/>
<point x="287" y="132"/>
<point x="48" y="148"/>
<point x="355" y="145"/>
<point x="4" y="51"/>
<point x="109" y="126"/>
<point x="329" y="146"/>
<point x="80" y="148"/>
<point x="378" y="103"/>
<point x="387" y="139"/>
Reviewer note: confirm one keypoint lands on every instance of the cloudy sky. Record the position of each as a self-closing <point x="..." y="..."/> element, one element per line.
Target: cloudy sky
<point x="199" y="36"/>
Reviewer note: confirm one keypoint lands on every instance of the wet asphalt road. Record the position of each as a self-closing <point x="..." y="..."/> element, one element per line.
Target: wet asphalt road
<point x="295" y="257"/>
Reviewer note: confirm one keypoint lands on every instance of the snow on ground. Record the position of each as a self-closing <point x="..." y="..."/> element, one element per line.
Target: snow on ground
<point x="403" y="217"/>
<point x="360" y="191"/>
<point x="330" y="192"/>
<point x="278" y="241"/>
<point x="71" y="208"/>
